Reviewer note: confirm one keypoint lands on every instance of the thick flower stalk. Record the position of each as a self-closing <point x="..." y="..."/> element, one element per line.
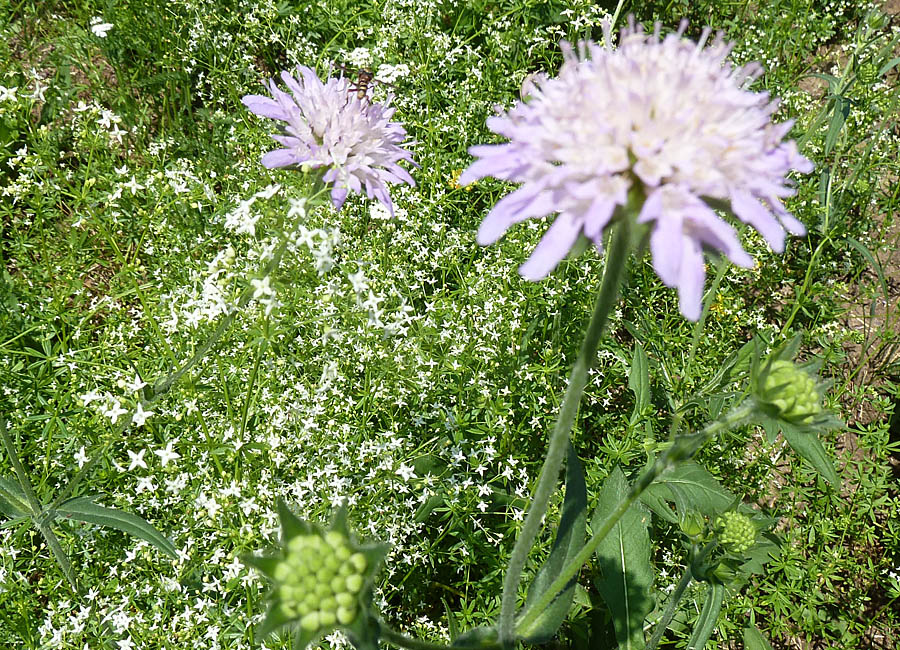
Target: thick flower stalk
<point x="665" y="118"/>
<point x="328" y="126"/>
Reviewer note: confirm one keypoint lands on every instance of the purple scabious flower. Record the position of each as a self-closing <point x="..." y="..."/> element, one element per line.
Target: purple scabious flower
<point x="328" y="126"/>
<point x="667" y="118"/>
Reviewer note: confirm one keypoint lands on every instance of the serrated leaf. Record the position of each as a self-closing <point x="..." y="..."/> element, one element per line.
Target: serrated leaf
<point x="639" y="381"/>
<point x="709" y="615"/>
<point x="754" y="639"/>
<point x="84" y="509"/>
<point x="13" y="502"/>
<point x="624" y="559"/>
<point x="808" y="446"/>
<point x="691" y="487"/>
<point x="569" y="540"/>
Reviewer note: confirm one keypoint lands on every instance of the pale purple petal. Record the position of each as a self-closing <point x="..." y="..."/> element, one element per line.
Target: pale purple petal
<point x="553" y="247"/>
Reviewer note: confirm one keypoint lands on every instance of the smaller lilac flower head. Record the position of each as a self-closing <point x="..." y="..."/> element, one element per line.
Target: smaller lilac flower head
<point x="664" y="119"/>
<point x="328" y="126"/>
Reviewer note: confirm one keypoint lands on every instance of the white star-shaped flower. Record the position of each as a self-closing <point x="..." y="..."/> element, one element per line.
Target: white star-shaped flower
<point x="167" y="455"/>
<point x="140" y="415"/>
<point x="137" y="460"/>
<point x="261" y="288"/>
<point x="81" y="457"/>
<point x="114" y="410"/>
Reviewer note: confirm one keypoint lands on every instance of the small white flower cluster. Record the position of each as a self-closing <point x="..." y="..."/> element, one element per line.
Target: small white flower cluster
<point x="213" y="299"/>
<point x="242" y="220"/>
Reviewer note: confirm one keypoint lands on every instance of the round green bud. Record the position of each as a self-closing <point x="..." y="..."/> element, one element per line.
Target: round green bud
<point x="324" y="574"/>
<point x="791" y="391"/>
<point x="283" y="571"/>
<point x="359" y="562"/>
<point x="304" y="607"/>
<point x="867" y="73"/>
<point x="737" y="533"/>
<point x="290" y="610"/>
<point x="332" y="563"/>
<point x="327" y="618"/>
<point x="337" y="584"/>
<point x="310" y="622"/>
<point x="328" y="604"/>
<point x="346" y="600"/>
<point x="346" y="615"/>
<point x="335" y="539"/>
<point x="297" y="544"/>
<point x="342" y="553"/>
<point x="354" y="583"/>
<point x="323" y="590"/>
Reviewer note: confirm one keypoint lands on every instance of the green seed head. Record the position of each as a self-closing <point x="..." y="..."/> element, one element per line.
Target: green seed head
<point x="737" y="533"/>
<point x="791" y="391"/>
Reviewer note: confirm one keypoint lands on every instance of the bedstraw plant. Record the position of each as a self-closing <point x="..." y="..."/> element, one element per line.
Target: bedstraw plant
<point x="643" y="144"/>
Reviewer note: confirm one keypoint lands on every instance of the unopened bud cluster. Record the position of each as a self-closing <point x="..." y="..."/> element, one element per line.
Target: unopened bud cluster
<point x="737" y="533"/>
<point x="319" y="580"/>
<point x="792" y="391"/>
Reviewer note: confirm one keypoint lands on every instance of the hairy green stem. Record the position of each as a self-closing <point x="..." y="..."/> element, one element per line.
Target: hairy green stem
<point x="609" y="290"/>
<point x="682" y="449"/>
<point x="400" y="640"/>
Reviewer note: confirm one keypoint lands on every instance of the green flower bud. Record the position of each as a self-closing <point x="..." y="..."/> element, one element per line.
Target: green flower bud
<point x="692" y="524"/>
<point x="346" y="615"/>
<point x="343" y="599"/>
<point x="358" y="560"/>
<point x="319" y="577"/>
<point x="791" y="391"/>
<point x="867" y="73"/>
<point x="737" y="533"/>
<point x="310" y="622"/>
<point x="354" y="583"/>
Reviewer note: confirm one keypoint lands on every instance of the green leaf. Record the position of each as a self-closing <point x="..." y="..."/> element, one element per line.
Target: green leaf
<point x="754" y="639"/>
<point x="706" y="623"/>
<point x="425" y="510"/>
<point x="13" y="502"/>
<point x="639" y="381"/>
<point x="808" y="446"/>
<point x="452" y="627"/>
<point x="84" y="509"/>
<point x="867" y="254"/>
<point x="624" y="560"/>
<point x="691" y="487"/>
<point x="569" y="541"/>
<point x="887" y="67"/>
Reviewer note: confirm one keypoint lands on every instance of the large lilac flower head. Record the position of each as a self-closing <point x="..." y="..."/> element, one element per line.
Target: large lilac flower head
<point x="328" y="126"/>
<point x="663" y="119"/>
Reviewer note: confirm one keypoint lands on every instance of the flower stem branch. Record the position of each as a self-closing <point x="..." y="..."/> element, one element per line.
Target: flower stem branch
<point x="683" y="448"/>
<point x="36" y="508"/>
<point x="620" y="243"/>
<point x="672" y="606"/>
